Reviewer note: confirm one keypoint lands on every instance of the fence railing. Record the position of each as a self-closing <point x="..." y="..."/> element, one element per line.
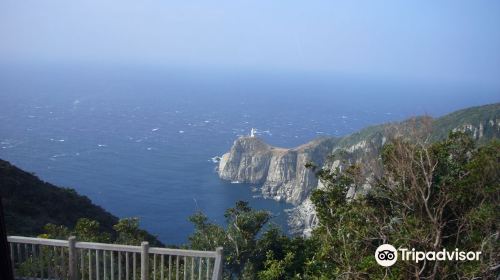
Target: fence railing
<point x="39" y="258"/>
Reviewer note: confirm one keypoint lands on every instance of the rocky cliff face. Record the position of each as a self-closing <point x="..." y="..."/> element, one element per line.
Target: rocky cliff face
<point x="282" y="175"/>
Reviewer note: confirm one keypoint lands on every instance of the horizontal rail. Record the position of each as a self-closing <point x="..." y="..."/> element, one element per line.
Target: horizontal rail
<point x="38" y="241"/>
<point x="108" y="247"/>
<point x="182" y="252"/>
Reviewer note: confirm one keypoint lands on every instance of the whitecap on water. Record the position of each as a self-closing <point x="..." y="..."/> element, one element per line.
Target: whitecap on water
<point x="58" y="155"/>
<point x="216" y="159"/>
<point x="155" y="129"/>
<point x="181" y="131"/>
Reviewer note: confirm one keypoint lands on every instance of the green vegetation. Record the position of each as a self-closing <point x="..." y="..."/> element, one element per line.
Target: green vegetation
<point x="247" y="253"/>
<point x="473" y="116"/>
<point x="443" y="195"/>
<point x="126" y="231"/>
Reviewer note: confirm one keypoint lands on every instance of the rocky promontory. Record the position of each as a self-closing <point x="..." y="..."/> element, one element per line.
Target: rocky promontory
<point x="281" y="174"/>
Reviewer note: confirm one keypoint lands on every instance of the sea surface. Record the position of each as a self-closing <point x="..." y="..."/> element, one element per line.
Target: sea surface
<point x="141" y="141"/>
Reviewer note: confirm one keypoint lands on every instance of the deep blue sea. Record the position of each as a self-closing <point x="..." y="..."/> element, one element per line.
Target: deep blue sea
<point x="139" y="141"/>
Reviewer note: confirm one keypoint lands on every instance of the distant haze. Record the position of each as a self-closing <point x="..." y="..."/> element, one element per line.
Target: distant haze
<point x="451" y="41"/>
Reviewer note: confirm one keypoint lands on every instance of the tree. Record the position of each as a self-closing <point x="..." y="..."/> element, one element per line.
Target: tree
<point x="239" y="238"/>
<point x="88" y="230"/>
<point x="346" y="231"/>
<point x="129" y="232"/>
<point x="429" y="197"/>
<point x="436" y="191"/>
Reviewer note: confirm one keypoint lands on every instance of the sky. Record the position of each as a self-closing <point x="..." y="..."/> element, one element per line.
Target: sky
<point x="449" y="41"/>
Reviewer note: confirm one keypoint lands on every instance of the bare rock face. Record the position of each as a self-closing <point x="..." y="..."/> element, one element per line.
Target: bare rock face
<point x="281" y="173"/>
<point x="247" y="161"/>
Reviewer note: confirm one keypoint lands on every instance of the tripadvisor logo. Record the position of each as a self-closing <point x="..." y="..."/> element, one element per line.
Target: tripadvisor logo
<point x="386" y="255"/>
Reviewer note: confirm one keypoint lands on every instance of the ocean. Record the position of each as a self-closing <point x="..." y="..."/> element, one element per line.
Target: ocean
<point x="140" y="141"/>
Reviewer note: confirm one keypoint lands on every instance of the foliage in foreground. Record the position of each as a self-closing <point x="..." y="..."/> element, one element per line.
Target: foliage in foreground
<point x="126" y="231"/>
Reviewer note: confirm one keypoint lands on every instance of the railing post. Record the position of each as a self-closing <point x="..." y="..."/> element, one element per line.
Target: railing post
<point x="72" y="258"/>
<point x="144" y="260"/>
<point x="219" y="264"/>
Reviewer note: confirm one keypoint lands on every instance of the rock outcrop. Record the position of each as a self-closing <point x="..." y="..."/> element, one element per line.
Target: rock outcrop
<point x="281" y="173"/>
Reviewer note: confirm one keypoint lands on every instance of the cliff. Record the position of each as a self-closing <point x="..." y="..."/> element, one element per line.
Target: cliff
<point x="282" y="175"/>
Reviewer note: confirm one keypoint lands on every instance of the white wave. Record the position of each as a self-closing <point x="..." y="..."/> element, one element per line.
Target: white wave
<point x="181" y="131"/>
<point x="102" y="145"/>
<point x="58" y="155"/>
<point x="235" y="182"/>
<point x="216" y="159"/>
<point x="155" y="129"/>
<point x="266" y="132"/>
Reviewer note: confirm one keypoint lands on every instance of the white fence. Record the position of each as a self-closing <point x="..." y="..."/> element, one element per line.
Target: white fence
<point x="39" y="258"/>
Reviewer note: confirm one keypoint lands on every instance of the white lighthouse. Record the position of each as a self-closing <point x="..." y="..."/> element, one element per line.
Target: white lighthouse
<point x="253" y="132"/>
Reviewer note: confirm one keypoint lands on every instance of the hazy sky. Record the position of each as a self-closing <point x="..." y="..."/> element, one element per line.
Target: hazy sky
<point x="423" y="40"/>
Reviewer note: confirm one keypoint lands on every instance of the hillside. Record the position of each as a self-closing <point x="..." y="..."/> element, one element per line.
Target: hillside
<point x="30" y="203"/>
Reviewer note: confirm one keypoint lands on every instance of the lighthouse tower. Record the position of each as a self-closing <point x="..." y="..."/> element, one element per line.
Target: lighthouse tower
<point x="253" y="132"/>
